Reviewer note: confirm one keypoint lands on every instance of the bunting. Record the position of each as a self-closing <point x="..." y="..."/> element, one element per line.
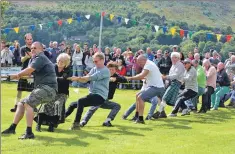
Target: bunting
<point x="40" y="26"/>
<point x="228" y="38"/>
<point x="126" y="20"/>
<point x="119" y="19"/>
<point x="88" y="16"/>
<point x="111" y="16"/>
<point x="70" y="20"/>
<point x="183" y="33"/>
<point x="156" y="28"/>
<point x="173" y="31"/>
<point x="97" y="15"/>
<point x="17" y="29"/>
<point x="60" y="22"/>
<point x="218" y="36"/>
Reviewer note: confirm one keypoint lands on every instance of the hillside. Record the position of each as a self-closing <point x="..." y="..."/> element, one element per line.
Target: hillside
<point x="212" y="13"/>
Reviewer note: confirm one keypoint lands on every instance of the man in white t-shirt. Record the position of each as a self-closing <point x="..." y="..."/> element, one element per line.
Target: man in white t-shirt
<point x="154" y="83"/>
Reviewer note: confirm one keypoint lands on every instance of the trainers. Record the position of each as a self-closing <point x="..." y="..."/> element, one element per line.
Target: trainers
<point x="75" y="126"/>
<point x="82" y="124"/>
<point x="185" y="112"/>
<point x="38" y="128"/>
<point x="9" y="131"/>
<point x="148" y="118"/>
<point x="124" y="117"/>
<point x="139" y="121"/>
<point x="27" y="136"/>
<point x="162" y="115"/>
<point x="107" y="124"/>
<point x="156" y="115"/>
<point x="134" y="118"/>
<point x="231" y="104"/>
<point x="172" y="115"/>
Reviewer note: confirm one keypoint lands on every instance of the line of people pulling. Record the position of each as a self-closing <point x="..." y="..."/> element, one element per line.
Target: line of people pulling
<point x="52" y="89"/>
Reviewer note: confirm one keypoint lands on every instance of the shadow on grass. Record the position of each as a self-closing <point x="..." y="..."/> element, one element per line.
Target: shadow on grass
<point x="68" y="141"/>
<point x="125" y="130"/>
<point x="81" y="134"/>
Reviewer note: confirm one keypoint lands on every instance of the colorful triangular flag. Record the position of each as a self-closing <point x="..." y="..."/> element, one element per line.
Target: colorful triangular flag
<point x="190" y="34"/>
<point x="97" y="14"/>
<point x="181" y="33"/>
<point x="164" y="29"/>
<point x="17" y="29"/>
<point x="88" y="16"/>
<point x="111" y="16"/>
<point x="228" y="37"/>
<point x="103" y="14"/>
<point x="40" y="26"/>
<point x="173" y="31"/>
<point x="119" y="19"/>
<point x="79" y="19"/>
<point x="156" y="28"/>
<point x="32" y="27"/>
<point x="126" y="20"/>
<point x="148" y="26"/>
<point x="50" y="24"/>
<point x="208" y="36"/>
<point x="7" y="30"/>
<point x="70" y="20"/>
<point x="134" y="22"/>
<point x="60" y="22"/>
<point x="218" y="36"/>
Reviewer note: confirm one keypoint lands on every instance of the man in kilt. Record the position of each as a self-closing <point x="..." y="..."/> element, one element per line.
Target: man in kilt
<point x="45" y="89"/>
<point x="24" y="84"/>
<point x="175" y="75"/>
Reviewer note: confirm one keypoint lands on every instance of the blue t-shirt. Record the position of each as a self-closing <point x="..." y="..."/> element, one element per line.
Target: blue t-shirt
<point x="99" y="81"/>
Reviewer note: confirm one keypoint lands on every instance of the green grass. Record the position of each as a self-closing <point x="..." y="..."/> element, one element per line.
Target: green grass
<point x="209" y="133"/>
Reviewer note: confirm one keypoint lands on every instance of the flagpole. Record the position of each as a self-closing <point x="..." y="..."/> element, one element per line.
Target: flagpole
<point x="101" y="26"/>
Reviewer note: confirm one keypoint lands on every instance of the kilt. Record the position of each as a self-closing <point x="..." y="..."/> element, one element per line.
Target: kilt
<point x="24" y="85"/>
<point x="52" y="112"/>
<point x="172" y="92"/>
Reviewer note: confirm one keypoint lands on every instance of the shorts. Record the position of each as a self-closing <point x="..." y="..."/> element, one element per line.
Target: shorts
<point x="151" y="92"/>
<point x="41" y="94"/>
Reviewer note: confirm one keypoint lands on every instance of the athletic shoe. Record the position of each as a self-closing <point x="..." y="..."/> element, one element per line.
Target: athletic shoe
<point x="9" y="131"/>
<point x="148" y="118"/>
<point x="27" y="136"/>
<point x="124" y="117"/>
<point x="156" y="115"/>
<point x="82" y="124"/>
<point x="134" y="118"/>
<point x="139" y="121"/>
<point x="172" y="115"/>
<point x="162" y="115"/>
<point x="107" y="124"/>
<point x="75" y="126"/>
<point x="185" y="112"/>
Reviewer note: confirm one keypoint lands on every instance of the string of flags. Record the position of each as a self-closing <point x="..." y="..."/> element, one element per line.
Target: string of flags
<point x="119" y="19"/>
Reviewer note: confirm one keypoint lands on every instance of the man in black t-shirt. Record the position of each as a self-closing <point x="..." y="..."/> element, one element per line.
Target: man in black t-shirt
<point x="23" y="84"/>
<point x="45" y="90"/>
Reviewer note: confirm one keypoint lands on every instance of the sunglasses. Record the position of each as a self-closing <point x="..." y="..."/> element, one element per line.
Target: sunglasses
<point x="33" y="48"/>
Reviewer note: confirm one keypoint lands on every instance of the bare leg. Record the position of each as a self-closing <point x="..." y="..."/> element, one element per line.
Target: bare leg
<point x="141" y="106"/>
<point x="29" y="115"/>
<point x="19" y="113"/>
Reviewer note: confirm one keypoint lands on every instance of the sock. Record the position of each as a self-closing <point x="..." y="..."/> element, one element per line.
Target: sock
<point x="136" y="114"/>
<point x="141" y="118"/>
<point x="107" y="120"/>
<point x="162" y="106"/>
<point x="29" y="130"/>
<point x="13" y="126"/>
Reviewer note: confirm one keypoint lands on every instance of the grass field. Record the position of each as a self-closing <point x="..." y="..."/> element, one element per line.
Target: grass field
<point x="209" y="133"/>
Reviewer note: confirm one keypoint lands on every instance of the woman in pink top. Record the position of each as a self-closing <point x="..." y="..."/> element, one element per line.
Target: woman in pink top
<point x="210" y="86"/>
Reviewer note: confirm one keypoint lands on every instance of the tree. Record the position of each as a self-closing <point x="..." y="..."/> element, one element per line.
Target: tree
<point x="209" y="45"/>
<point x="201" y="46"/>
<point x="187" y="46"/>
